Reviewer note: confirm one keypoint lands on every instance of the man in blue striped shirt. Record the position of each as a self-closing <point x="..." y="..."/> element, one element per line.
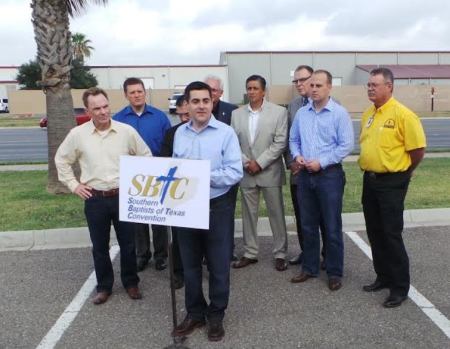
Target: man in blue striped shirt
<point x="321" y="137"/>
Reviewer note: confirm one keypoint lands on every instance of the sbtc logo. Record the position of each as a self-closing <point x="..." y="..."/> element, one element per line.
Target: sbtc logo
<point x="154" y="186"/>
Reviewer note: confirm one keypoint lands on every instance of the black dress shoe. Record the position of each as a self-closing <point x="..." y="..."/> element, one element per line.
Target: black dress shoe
<point x="375" y="286"/>
<point x="160" y="264"/>
<point x="141" y="264"/>
<point x="280" y="264"/>
<point x="215" y="330"/>
<point x="296" y="260"/>
<point x="187" y="327"/>
<point x="234" y="258"/>
<point x="394" y="301"/>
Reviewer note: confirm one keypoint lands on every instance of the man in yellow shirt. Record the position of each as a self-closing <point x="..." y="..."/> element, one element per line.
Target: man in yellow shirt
<point x="392" y="145"/>
<point x="97" y="146"/>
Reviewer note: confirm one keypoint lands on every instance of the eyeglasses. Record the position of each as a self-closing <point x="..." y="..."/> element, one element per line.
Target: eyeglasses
<point x="301" y="81"/>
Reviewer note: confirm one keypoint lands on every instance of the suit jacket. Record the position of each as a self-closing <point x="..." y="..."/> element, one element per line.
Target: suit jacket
<point x="293" y="107"/>
<point x="223" y="112"/>
<point x="268" y="147"/>
<point x="167" y="143"/>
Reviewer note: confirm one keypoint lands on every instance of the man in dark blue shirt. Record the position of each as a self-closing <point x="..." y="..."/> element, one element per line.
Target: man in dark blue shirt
<point x="151" y="124"/>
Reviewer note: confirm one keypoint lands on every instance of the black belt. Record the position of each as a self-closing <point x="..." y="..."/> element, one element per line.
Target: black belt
<point x="375" y="175"/>
<point x="105" y="193"/>
<point x="324" y="170"/>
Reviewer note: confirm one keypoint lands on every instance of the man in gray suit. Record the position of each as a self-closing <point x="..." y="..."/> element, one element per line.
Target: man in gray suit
<point x="261" y="128"/>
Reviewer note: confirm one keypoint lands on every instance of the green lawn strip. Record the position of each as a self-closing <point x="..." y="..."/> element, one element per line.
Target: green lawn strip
<point x="14" y="121"/>
<point x="26" y="205"/>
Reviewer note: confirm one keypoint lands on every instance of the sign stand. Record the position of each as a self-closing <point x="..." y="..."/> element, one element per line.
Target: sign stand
<point x="177" y="341"/>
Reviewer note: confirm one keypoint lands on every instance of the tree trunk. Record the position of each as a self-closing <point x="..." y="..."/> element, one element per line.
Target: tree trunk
<point x="51" y="29"/>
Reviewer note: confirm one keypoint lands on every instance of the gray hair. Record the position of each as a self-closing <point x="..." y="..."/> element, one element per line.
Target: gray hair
<point x="216" y="78"/>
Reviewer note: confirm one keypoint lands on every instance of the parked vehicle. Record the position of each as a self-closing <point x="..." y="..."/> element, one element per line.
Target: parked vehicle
<point x="173" y="101"/>
<point x="4" y="107"/>
<point x="80" y="117"/>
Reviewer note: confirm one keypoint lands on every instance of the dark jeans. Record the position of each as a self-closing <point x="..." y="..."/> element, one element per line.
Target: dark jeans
<point x="100" y="212"/>
<point x="233" y="197"/>
<point x="215" y="244"/>
<point x="294" y="193"/>
<point x="160" y="241"/>
<point x="383" y="204"/>
<point x="320" y="197"/>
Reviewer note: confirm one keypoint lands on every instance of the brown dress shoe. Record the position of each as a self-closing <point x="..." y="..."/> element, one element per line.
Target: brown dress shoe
<point x="101" y="297"/>
<point x="134" y="293"/>
<point x="334" y="283"/>
<point x="215" y="330"/>
<point x="187" y="327"/>
<point x="280" y="264"/>
<point x="302" y="277"/>
<point x="243" y="262"/>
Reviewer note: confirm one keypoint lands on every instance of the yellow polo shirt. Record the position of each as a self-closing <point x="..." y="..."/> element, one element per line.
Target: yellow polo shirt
<point x="387" y="134"/>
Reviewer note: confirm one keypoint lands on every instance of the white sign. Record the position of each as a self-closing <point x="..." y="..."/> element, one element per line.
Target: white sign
<point x="164" y="191"/>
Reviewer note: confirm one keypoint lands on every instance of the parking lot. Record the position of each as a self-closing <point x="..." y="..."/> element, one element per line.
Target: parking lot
<point x="265" y="310"/>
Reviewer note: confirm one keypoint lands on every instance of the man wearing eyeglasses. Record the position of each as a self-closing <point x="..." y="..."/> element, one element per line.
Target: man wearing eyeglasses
<point x="302" y="77"/>
<point x="392" y="145"/>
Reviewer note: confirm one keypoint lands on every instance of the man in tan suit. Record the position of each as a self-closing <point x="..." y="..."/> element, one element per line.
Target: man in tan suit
<point x="261" y="128"/>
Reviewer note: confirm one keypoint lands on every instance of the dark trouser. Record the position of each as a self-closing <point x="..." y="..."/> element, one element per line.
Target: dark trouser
<point x="100" y="211"/>
<point x="320" y="197"/>
<point x="160" y="241"/>
<point x="215" y="244"/>
<point x="294" y="194"/>
<point x="177" y="263"/>
<point x="383" y="204"/>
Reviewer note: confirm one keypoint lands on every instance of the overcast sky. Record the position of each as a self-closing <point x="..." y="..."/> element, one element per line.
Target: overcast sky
<point x="196" y="31"/>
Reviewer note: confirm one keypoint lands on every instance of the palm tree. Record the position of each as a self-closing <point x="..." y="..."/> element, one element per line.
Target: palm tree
<point x="81" y="47"/>
<point x="54" y="54"/>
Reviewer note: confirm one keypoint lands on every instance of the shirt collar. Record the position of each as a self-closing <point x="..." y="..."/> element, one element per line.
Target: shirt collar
<point x="147" y="109"/>
<point x="90" y="125"/>
<point x="385" y="105"/>
<point x="211" y="123"/>
<point x="329" y="106"/>
<point x="257" y="111"/>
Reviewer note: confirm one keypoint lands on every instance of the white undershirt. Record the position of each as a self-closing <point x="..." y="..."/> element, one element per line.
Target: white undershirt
<point x="253" y="120"/>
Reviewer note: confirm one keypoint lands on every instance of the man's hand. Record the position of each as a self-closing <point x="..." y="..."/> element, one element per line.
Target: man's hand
<point x="83" y="191"/>
<point x="295" y="167"/>
<point x="313" y="166"/>
<point x="252" y="167"/>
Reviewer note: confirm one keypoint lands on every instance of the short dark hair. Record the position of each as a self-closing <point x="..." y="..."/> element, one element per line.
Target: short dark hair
<point x="306" y="67"/>
<point x="259" y="78"/>
<point x="180" y="100"/>
<point x="327" y="73"/>
<point x="386" y="72"/>
<point x="92" y="91"/>
<point x="196" y="86"/>
<point x="132" y="81"/>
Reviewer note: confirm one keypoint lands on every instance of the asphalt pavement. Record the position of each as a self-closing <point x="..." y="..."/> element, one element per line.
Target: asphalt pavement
<point x="41" y="279"/>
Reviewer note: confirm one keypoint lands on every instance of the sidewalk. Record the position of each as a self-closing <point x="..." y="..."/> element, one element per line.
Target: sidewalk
<point x="79" y="237"/>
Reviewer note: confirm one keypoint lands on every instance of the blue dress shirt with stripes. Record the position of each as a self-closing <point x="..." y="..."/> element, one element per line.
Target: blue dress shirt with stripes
<point x="326" y="136"/>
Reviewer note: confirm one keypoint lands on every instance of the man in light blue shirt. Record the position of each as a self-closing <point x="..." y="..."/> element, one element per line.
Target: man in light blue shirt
<point x="205" y="138"/>
<point x="321" y="137"/>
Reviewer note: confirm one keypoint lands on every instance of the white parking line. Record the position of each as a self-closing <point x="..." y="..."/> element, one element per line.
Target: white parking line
<point x="424" y="304"/>
<point x="71" y="312"/>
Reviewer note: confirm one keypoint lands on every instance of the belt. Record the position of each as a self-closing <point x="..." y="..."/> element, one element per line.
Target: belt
<point x="105" y="193"/>
<point x="324" y="170"/>
<point x="375" y="175"/>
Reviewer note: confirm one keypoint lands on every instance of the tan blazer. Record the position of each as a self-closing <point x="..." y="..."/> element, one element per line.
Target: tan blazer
<point x="268" y="147"/>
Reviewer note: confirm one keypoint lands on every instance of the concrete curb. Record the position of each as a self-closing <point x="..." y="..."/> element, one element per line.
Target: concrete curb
<point x="79" y="237"/>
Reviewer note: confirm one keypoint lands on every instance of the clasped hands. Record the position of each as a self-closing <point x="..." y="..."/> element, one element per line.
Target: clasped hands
<point x="252" y="167"/>
<point x="300" y="163"/>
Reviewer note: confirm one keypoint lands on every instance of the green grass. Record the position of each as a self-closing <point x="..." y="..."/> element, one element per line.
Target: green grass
<point x="26" y="205"/>
<point x="19" y="121"/>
